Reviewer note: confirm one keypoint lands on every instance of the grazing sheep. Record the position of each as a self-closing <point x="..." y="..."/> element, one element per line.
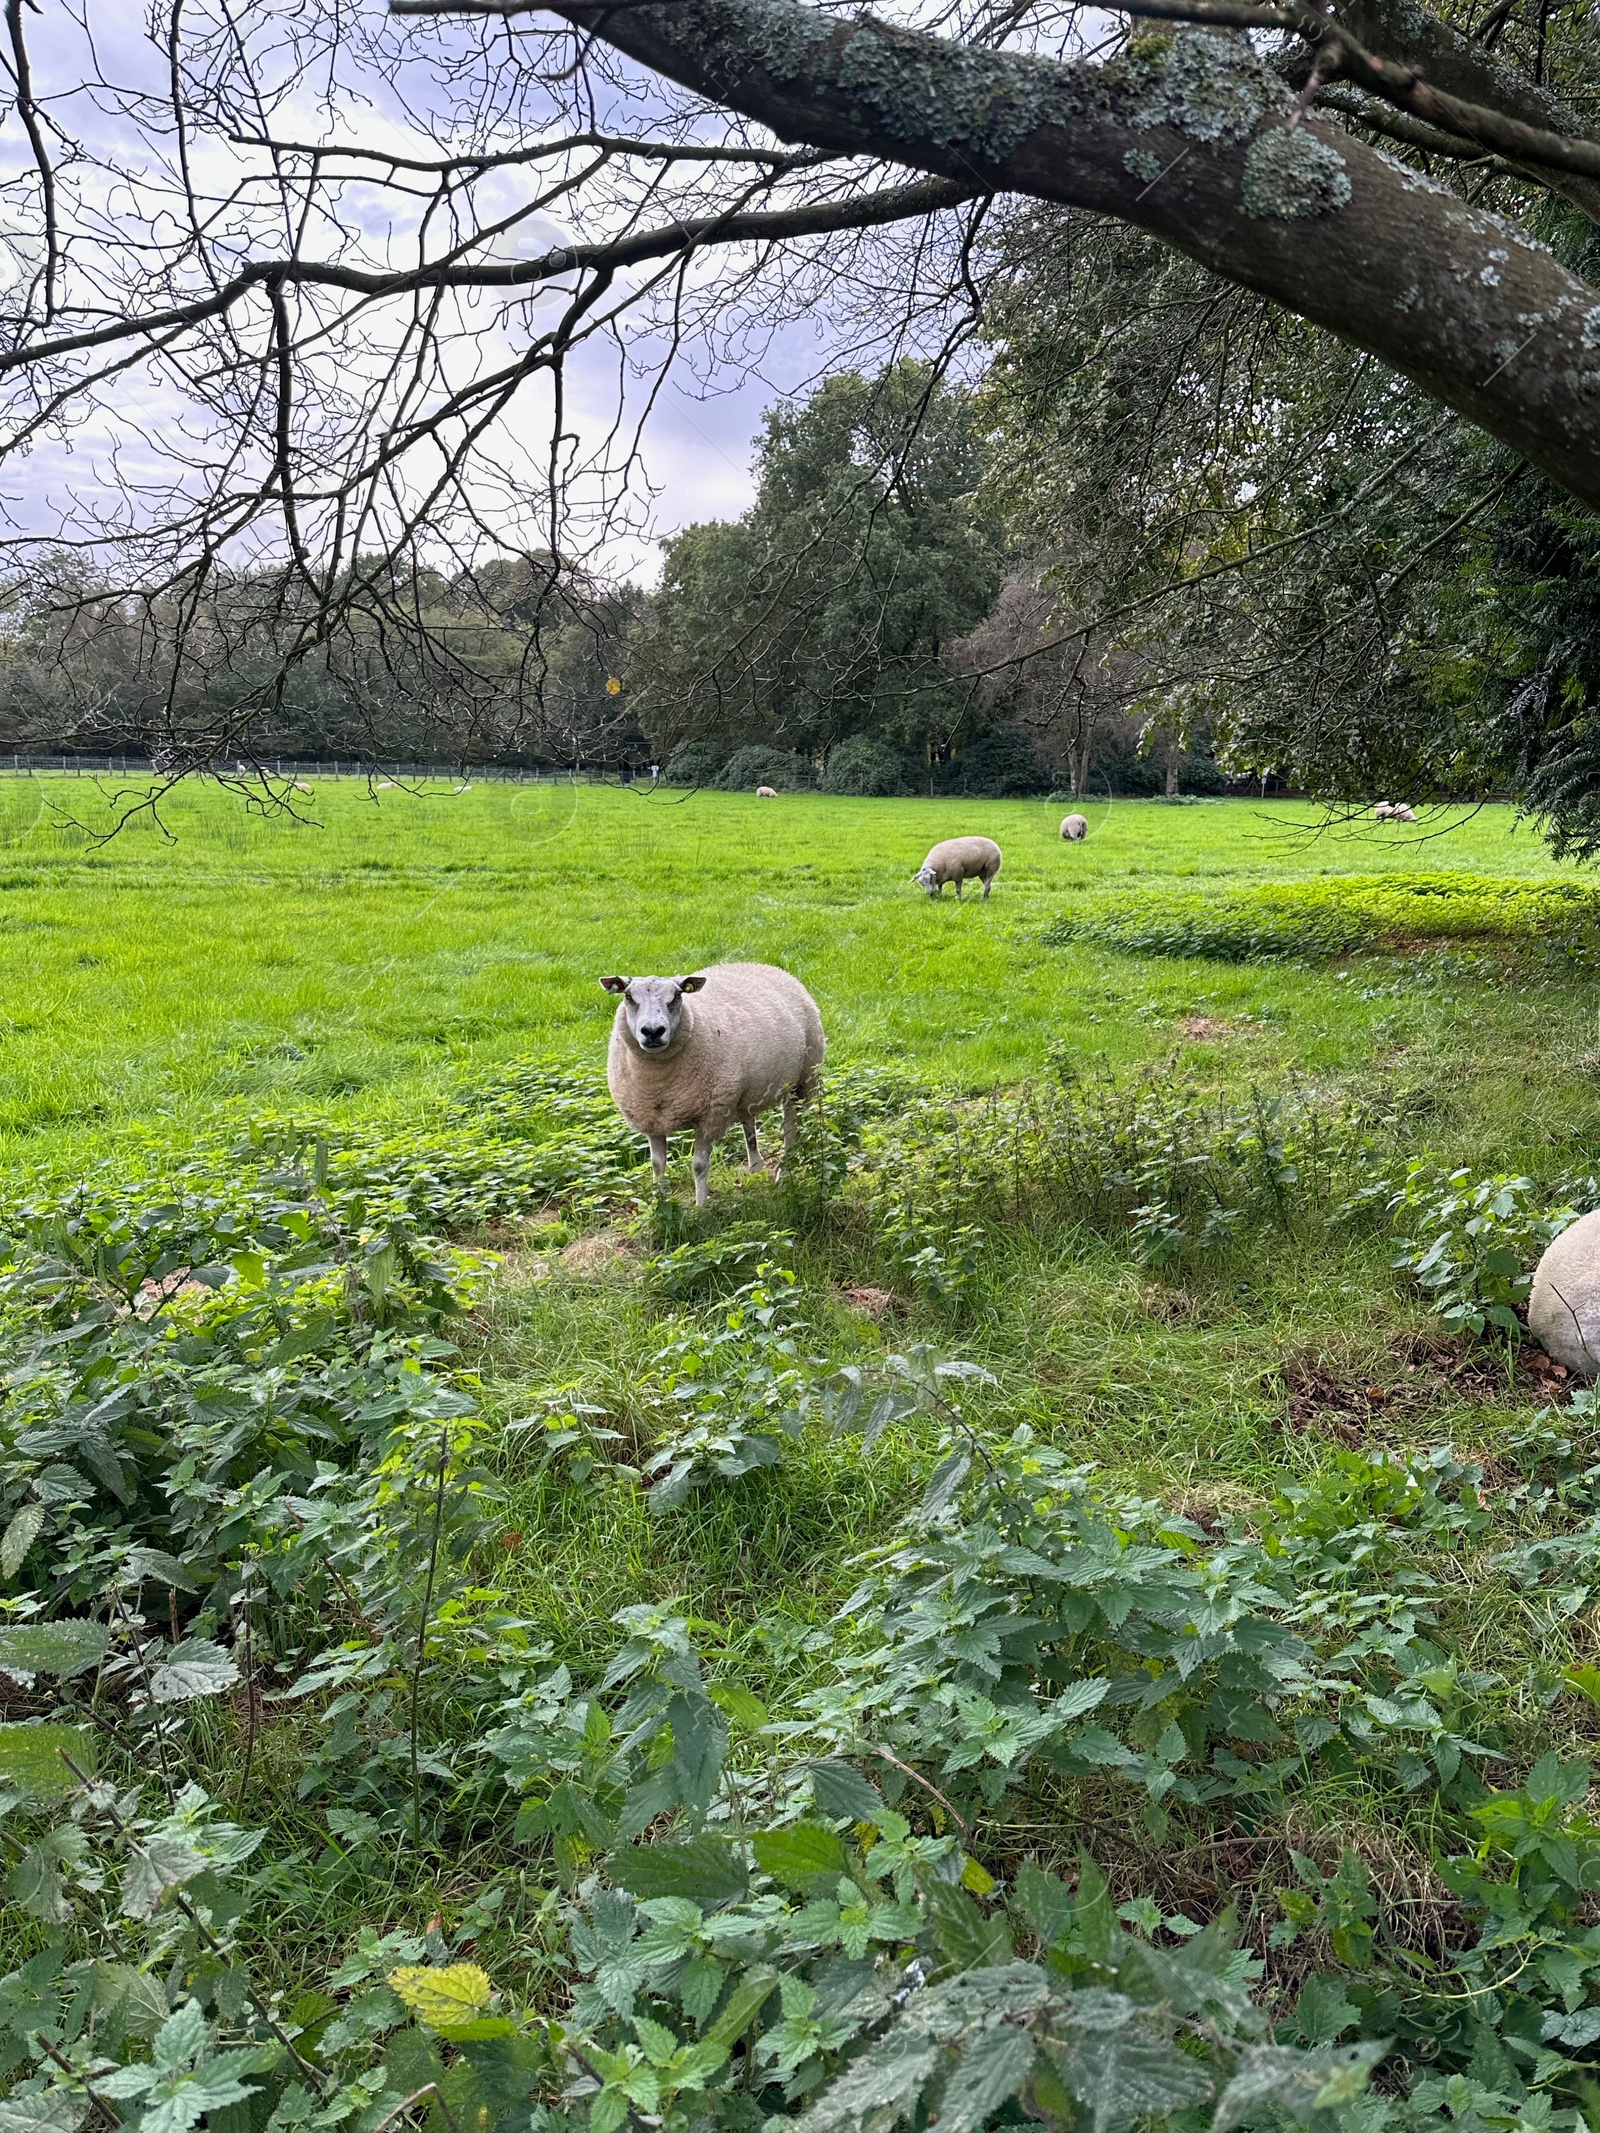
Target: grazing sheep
<point x="766" y="792"/>
<point x="750" y="1038"/>
<point x="960" y="859"/>
<point x="1564" y="1308"/>
<point x="1383" y="812"/>
<point x="1402" y="813"/>
<point x="1074" y="828"/>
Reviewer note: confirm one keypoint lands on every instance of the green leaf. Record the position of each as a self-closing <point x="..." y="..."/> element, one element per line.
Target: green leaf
<point x="887" y="2079"/>
<point x="56" y="2112"/>
<point x="705" y="1870"/>
<point x="943" y="1483"/>
<point x="1045" y="1902"/>
<point x="1584" y="1681"/>
<point x="197" y="1667"/>
<point x="1297" y="2082"/>
<point x="746" y="1710"/>
<point x="19" y="1537"/>
<point x="1323" y="2011"/>
<point x="1096" y="1919"/>
<point x="971" y="1941"/>
<point x="154" y="1564"/>
<point x="989" y="2075"/>
<point x="745" y="2002"/>
<point x="1125" y="2073"/>
<point x="63" y="1648"/>
<point x="802" y="1855"/>
<point x="840" y="1789"/>
<point x="31" y="1759"/>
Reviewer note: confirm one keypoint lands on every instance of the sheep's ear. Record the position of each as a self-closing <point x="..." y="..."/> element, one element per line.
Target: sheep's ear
<point x="615" y="984"/>
<point x="694" y="984"/>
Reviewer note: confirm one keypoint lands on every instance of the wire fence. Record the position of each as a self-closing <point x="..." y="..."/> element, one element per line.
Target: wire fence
<point x="100" y="766"/>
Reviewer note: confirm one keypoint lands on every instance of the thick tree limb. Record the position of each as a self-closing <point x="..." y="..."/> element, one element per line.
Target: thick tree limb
<point x="1340" y="57"/>
<point x="1190" y="140"/>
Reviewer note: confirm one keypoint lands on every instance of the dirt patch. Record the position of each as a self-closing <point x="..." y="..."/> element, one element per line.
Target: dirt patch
<point x="1415" y="1375"/>
<point x="875" y="1303"/>
<point x="1206" y="1029"/>
<point x="602" y="1252"/>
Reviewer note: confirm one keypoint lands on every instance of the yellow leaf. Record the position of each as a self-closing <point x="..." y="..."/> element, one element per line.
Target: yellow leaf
<point x="613" y="686"/>
<point x="977" y="1878"/>
<point x="444" y="1999"/>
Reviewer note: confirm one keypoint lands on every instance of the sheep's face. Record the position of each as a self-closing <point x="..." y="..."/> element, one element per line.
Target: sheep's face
<point x="928" y="879"/>
<point x="653" y="1007"/>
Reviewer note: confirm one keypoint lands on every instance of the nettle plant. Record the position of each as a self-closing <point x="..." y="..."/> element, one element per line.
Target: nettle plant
<point x="1472" y="1243"/>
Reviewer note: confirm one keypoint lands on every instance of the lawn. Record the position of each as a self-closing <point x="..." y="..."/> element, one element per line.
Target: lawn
<point x="362" y="1402"/>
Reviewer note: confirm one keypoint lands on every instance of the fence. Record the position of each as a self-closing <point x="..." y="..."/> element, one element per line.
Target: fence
<point x="99" y="766"/>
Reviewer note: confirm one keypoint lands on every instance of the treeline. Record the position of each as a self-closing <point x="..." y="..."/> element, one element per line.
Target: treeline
<point x="1167" y="536"/>
<point x="514" y="662"/>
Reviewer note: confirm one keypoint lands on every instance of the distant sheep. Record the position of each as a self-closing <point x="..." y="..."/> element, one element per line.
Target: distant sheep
<point x="1383" y="812"/>
<point x="700" y="1052"/>
<point x="1074" y="828"/>
<point x="1402" y="813"/>
<point x="766" y="792"/>
<point x="960" y="859"/>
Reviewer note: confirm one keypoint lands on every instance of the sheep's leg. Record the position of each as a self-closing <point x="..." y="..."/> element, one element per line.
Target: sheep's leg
<point x="791" y="1120"/>
<point x="658" y="1157"/>
<point x="752" y="1148"/>
<point x="701" y="1165"/>
<point x="988" y="884"/>
<point x="961" y="884"/>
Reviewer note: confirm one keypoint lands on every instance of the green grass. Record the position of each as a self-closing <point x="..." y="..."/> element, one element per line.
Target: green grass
<point x="356" y="960"/>
<point x="365" y="965"/>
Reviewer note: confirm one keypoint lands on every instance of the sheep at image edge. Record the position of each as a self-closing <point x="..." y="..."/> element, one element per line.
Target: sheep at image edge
<point x="700" y="1052"/>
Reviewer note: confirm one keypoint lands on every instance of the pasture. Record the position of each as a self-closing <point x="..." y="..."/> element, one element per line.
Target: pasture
<point x="355" y="957"/>
<point x="1224" y="1250"/>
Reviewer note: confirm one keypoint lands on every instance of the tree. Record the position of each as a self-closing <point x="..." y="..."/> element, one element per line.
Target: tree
<point x="1263" y="533"/>
<point x="343" y="356"/>
<point x="825" y="611"/>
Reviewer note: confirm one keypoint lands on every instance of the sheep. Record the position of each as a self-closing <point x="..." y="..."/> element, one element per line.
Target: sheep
<point x="960" y="859"/>
<point x="1402" y="813"/>
<point x="1383" y="812"/>
<point x="766" y="792"/>
<point x="727" y="1043"/>
<point x="1074" y="828"/>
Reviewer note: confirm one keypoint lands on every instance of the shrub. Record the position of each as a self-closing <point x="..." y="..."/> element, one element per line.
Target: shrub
<point x="765" y="766"/>
<point x="864" y="769"/>
<point x="695" y="763"/>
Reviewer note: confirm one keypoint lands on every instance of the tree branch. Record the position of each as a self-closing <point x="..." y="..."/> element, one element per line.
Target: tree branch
<point x="1198" y="142"/>
<point x="862" y="211"/>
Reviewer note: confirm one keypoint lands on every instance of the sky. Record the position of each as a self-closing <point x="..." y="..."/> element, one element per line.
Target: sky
<point x="101" y="82"/>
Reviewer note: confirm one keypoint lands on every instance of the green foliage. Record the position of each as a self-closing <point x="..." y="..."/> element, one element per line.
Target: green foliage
<point x="865" y="769"/>
<point x="1472" y="1244"/>
<point x="695" y="763"/>
<point x="823" y="612"/>
<point x="756" y="765"/>
<point x="1317" y="921"/>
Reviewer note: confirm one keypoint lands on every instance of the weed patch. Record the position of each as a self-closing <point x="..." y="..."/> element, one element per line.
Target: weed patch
<point x="1555" y="922"/>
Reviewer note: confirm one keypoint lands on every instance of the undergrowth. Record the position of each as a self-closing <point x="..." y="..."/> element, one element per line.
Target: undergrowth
<point x="1555" y="925"/>
<point x="308" y="1825"/>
